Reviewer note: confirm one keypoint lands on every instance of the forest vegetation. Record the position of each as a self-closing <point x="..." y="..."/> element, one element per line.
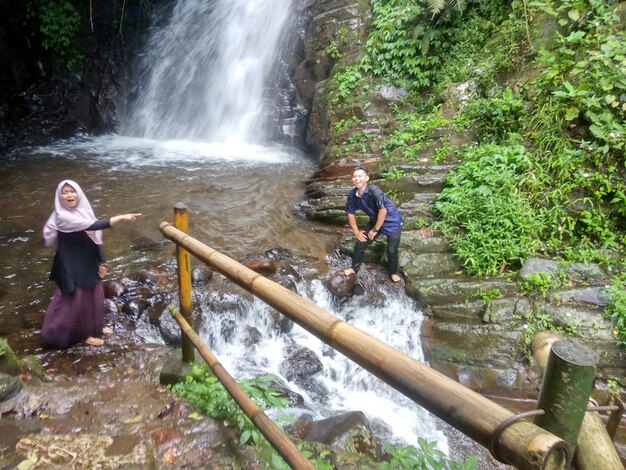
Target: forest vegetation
<point x="546" y="96"/>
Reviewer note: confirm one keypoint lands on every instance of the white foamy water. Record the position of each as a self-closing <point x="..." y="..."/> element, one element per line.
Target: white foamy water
<point x="394" y="319"/>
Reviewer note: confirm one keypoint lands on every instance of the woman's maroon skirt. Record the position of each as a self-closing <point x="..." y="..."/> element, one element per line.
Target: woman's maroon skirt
<point x="72" y="318"/>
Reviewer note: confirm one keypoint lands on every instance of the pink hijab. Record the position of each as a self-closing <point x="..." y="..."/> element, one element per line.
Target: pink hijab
<point x="67" y="220"/>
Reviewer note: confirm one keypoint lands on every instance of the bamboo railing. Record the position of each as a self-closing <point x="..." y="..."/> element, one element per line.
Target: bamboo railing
<point x="518" y="443"/>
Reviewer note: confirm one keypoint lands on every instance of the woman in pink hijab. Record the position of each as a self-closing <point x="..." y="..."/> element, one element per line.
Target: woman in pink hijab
<point x="76" y="312"/>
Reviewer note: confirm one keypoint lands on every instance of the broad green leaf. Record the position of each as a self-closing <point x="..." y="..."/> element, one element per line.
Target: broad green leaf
<point x="574" y="15"/>
<point x="571" y="113"/>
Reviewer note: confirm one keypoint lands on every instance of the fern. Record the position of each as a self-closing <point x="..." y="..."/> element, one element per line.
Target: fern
<point x="437" y="6"/>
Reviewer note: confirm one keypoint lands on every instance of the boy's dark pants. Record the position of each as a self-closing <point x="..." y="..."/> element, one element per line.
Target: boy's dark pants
<point x="393" y="242"/>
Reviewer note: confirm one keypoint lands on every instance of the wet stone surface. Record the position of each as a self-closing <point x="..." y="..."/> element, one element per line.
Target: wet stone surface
<point x="107" y="410"/>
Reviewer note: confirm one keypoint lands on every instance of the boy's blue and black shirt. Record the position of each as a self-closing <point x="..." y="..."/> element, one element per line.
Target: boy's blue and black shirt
<point x="372" y="200"/>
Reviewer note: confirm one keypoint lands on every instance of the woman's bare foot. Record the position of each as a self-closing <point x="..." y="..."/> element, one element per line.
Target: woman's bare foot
<point x="106" y="330"/>
<point x="91" y="341"/>
<point x="395" y="278"/>
<point x="347" y="272"/>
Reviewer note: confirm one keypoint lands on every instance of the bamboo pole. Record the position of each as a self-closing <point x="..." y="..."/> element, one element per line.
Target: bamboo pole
<point x="566" y="388"/>
<point x="181" y="221"/>
<point x="594" y="447"/>
<point x="277" y="438"/>
<point x="521" y="444"/>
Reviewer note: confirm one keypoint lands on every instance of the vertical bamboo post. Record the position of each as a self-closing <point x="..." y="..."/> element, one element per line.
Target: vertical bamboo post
<point x="181" y="222"/>
<point x="565" y="389"/>
<point x="594" y="447"/>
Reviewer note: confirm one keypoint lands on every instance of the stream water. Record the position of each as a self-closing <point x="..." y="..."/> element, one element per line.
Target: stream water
<point x="199" y="133"/>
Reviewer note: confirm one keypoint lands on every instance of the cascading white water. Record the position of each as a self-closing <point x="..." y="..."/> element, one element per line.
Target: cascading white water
<point x="393" y="318"/>
<point x="206" y="70"/>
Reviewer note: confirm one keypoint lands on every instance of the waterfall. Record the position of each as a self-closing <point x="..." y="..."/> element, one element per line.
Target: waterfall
<point x="206" y="70"/>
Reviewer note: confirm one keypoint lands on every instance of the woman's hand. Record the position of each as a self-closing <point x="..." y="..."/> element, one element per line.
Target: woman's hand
<point x="102" y="270"/>
<point x="124" y="218"/>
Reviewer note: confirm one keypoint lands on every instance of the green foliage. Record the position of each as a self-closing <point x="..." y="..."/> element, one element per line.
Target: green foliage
<point x="204" y="391"/>
<point x="411" y="135"/>
<point x="536" y="322"/>
<point x="497" y="116"/>
<point x="59" y="26"/>
<point x="486" y="296"/>
<point x="398" y="45"/>
<point x="585" y="73"/>
<point x="616" y="309"/>
<point x="346" y="81"/>
<point x="483" y="44"/>
<point x="426" y="457"/>
<point x="394" y="174"/>
<point x="614" y="390"/>
<point x="571" y="121"/>
<point x="540" y="282"/>
<point x="489" y="221"/>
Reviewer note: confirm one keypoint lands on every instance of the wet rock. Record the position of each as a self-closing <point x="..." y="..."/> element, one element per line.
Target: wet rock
<point x="252" y="337"/>
<point x="135" y="308"/>
<point x="113" y="289"/>
<point x="169" y="328"/>
<point x="350" y="431"/>
<point x="597" y="296"/>
<point x="265" y="267"/>
<point x="339" y="284"/>
<point x="358" y="289"/>
<point x="156" y="311"/>
<point x="282" y="323"/>
<point x="166" y="437"/>
<point x="201" y="274"/>
<point x="145" y="277"/>
<point x="180" y="409"/>
<point x="316" y="389"/>
<point x="110" y="306"/>
<point x="534" y="265"/>
<point x="300" y="363"/>
<point x="146" y="243"/>
<point x="295" y="399"/>
<point x="9" y="386"/>
<point x="586" y="272"/>
<point x="279" y="254"/>
<point x="504" y="309"/>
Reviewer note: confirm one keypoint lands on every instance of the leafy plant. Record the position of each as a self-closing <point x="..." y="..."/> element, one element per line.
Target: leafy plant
<point x="614" y="390"/>
<point x="204" y="391"/>
<point x="541" y="321"/>
<point x="486" y="296"/>
<point x="498" y="115"/>
<point x="540" y="282"/>
<point x="59" y="26"/>
<point x="616" y="308"/>
<point x="425" y="456"/>
<point x="489" y="221"/>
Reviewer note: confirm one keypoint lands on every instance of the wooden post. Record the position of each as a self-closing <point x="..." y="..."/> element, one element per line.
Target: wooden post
<point x="594" y="448"/>
<point x="181" y="221"/>
<point x="521" y="444"/>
